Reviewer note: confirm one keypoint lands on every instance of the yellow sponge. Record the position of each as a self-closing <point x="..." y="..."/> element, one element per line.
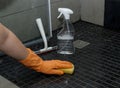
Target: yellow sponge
<point x="68" y="70"/>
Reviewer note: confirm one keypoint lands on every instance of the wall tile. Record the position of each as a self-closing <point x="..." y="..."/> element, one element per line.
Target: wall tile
<point x="92" y="11"/>
<point x="23" y="24"/>
<point x="20" y="16"/>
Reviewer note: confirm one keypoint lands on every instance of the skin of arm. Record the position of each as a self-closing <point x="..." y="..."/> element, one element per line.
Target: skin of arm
<point x="11" y="45"/>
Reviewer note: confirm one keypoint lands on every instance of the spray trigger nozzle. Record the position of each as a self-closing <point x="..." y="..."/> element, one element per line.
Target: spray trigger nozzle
<point x="65" y="12"/>
<point x="59" y="16"/>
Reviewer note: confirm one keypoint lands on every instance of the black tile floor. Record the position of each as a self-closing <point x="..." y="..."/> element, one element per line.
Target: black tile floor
<point x="96" y="65"/>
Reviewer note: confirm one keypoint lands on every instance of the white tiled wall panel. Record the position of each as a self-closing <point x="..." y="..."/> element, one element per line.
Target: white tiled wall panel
<point x="93" y="11"/>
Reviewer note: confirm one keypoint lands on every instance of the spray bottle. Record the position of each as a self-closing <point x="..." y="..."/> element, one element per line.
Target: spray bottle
<point x="66" y="35"/>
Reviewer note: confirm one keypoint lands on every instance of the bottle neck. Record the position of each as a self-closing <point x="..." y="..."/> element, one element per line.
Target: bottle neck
<point x="67" y="21"/>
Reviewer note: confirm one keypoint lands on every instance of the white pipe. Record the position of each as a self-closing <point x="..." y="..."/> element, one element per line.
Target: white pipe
<point x="50" y="17"/>
<point x="42" y="32"/>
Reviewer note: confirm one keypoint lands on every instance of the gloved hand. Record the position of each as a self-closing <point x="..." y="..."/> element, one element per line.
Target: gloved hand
<point x="36" y="63"/>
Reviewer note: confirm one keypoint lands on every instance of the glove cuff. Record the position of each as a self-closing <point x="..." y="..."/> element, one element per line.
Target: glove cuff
<point x="32" y="60"/>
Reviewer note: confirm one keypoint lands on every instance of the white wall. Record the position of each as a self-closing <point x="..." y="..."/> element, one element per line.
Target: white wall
<point x="93" y="11"/>
<point x="88" y="10"/>
<point x="72" y="4"/>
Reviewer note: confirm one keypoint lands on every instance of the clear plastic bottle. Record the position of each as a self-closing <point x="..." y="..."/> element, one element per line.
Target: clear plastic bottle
<point x="66" y="35"/>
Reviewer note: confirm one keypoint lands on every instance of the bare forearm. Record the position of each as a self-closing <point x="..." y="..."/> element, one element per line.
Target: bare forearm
<point x="11" y="45"/>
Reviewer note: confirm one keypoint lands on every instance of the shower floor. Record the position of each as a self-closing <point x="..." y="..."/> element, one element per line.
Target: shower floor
<point x="97" y="65"/>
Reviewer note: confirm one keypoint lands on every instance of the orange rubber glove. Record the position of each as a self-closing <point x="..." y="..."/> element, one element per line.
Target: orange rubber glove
<point x="36" y="63"/>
